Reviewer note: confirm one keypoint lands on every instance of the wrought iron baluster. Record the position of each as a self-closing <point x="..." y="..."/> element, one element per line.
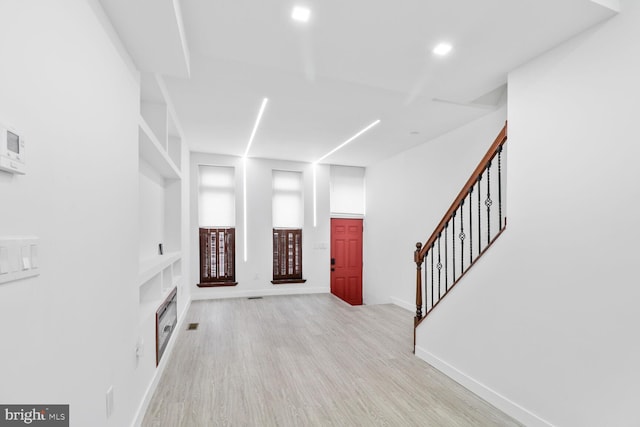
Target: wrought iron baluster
<point x="462" y="237"/>
<point x="446" y="260"/>
<point x="439" y="267"/>
<point x="426" y="284"/>
<point x="479" y="219"/>
<point x="488" y="202"/>
<point x="432" y="276"/>
<point x="500" y="185"/>
<point x="470" y="225"/>
<point x="453" y="244"/>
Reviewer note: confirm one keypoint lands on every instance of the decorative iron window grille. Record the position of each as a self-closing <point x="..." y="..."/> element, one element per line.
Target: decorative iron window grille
<point x="287" y="255"/>
<point x="217" y="257"/>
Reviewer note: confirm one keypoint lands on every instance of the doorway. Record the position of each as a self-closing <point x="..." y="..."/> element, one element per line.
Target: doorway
<point x="346" y="259"/>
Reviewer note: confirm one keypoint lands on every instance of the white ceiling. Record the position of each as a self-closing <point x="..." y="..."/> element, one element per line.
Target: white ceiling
<point x="355" y="61"/>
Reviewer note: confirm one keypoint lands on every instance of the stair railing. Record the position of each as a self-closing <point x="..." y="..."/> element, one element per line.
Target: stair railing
<point x="471" y="225"/>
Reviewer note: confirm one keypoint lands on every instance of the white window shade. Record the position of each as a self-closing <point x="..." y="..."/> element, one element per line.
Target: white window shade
<point x="288" y="200"/>
<point x="216" y="196"/>
<point x="347" y="190"/>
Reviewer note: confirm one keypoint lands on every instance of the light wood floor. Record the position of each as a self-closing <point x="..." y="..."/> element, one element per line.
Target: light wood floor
<point x="307" y="360"/>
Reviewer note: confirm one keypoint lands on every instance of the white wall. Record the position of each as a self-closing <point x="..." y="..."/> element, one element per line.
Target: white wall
<point x="69" y="334"/>
<point x="407" y="195"/>
<point x="546" y="325"/>
<point x="347" y="191"/>
<point x="151" y="212"/>
<point x="254" y="276"/>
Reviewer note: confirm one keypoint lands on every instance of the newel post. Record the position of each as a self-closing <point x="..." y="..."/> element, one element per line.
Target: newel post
<point x="418" y="260"/>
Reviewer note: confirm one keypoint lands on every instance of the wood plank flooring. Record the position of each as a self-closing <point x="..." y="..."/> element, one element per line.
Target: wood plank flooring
<point x="306" y="360"/>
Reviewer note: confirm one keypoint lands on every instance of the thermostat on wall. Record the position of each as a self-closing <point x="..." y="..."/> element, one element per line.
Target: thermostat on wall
<point x="12" y="157"/>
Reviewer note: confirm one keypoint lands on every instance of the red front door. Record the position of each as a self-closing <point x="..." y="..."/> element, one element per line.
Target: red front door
<point x="346" y="260"/>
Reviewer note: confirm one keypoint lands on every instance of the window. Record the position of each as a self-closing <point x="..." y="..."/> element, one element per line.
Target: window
<point x="216" y="196"/>
<point x="287" y="256"/>
<point x="216" y="216"/>
<point x="287" y="204"/>
<point x="217" y="257"/>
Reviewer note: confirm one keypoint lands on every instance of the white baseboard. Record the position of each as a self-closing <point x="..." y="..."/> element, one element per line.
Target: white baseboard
<point x="496" y="399"/>
<point x="144" y="405"/>
<point x="221" y="293"/>
<point x="403" y="304"/>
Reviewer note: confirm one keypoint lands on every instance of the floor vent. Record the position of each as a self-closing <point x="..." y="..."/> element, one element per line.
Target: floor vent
<point x="254" y="298"/>
<point x="192" y="326"/>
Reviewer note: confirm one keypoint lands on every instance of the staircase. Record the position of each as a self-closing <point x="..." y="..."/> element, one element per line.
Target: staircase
<point x="474" y="221"/>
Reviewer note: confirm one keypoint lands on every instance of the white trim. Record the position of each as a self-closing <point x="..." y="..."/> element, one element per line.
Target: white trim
<point x="315" y="195"/>
<point x="223" y="293"/>
<point x="509" y="407"/>
<point x="400" y="303"/>
<point x="144" y="404"/>
<point x="343" y="215"/>
<point x="245" y="248"/>
<point x="364" y="193"/>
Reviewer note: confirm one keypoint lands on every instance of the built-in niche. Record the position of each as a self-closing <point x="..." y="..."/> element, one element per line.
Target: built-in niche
<point x="166" y="320"/>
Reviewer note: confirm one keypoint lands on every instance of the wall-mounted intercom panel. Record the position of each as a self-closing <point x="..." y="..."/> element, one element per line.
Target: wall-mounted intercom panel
<point x="12" y="151"/>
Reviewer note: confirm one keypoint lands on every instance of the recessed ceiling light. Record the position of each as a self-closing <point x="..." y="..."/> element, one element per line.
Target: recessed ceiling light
<point x="442" y="49"/>
<point x="300" y="14"/>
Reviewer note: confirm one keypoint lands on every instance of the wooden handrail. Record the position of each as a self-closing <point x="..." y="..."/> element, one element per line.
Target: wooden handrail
<point x="442" y="265"/>
<point x="493" y="150"/>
